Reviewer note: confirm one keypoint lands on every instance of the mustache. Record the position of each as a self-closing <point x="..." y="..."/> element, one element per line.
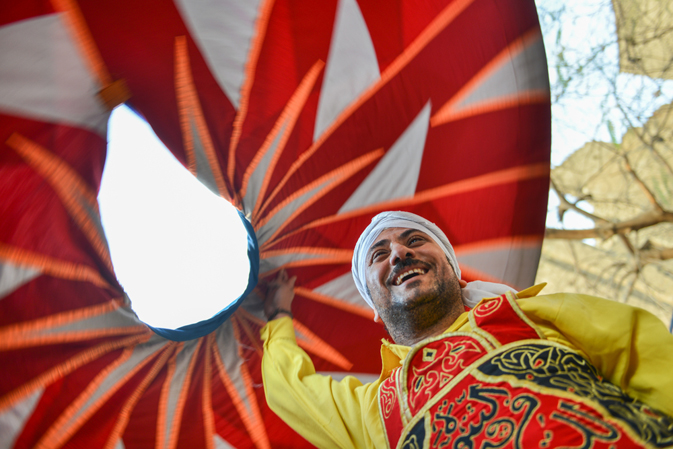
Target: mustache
<point x="404" y="264"/>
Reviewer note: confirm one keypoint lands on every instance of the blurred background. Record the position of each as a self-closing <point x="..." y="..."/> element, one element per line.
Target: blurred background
<point x="609" y="230"/>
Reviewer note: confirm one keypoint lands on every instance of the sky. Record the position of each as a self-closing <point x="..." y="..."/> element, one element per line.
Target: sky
<point x="178" y="250"/>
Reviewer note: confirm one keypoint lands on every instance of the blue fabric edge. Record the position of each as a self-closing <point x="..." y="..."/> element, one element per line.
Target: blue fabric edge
<point x="205" y="327"/>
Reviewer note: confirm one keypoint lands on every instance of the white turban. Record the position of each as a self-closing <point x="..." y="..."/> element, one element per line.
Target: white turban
<point x="472" y="294"/>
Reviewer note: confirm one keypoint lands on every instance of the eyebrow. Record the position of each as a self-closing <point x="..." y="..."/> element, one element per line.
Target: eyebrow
<point x="385" y="242"/>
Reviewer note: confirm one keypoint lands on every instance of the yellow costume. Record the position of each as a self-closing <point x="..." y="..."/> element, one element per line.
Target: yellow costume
<point x="628" y="346"/>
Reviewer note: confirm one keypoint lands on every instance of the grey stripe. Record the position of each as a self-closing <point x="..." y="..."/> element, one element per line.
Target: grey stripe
<point x="13" y="277"/>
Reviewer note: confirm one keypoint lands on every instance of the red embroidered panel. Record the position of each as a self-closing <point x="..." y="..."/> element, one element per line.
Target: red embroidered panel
<point x="481" y="415"/>
<point x="389" y="407"/>
<point x="498" y="318"/>
<point x="436" y="364"/>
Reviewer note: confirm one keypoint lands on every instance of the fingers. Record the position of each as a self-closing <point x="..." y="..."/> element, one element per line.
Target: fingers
<point x="282" y="279"/>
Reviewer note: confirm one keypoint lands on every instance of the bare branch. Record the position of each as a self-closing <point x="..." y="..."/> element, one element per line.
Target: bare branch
<point x="568" y="205"/>
<point x="646" y="190"/>
<point x="652" y="255"/>
<point x="633" y="284"/>
<point x="644" y="220"/>
<point x="627" y="243"/>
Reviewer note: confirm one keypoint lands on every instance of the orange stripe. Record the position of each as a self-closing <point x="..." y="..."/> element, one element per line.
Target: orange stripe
<point x="52" y="267"/>
<point x="15" y="331"/>
<point x="519" y="241"/>
<point x="182" y="93"/>
<point x="331" y="180"/>
<point x="307" y="250"/>
<point x="239" y="322"/>
<point x="163" y="398"/>
<point x="82" y="35"/>
<point x="249" y="78"/>
<point x="182" y="398"/>
<point x="261" y="440"/>
<point x="364" y="312"/>
<point x="67" y="429"/>
<point x="286" y="121"/>
<point x="59" y="431"/>
<point x="440" y="22"/>
<point x="473" y="273"/>
<point x="41" y="340"/>
<point x="71" y="189"/>
<point x="307" y="262"/>
<point x="127" y="409"/>
<point x="497" y="104"/>
<point x="189" y="109"/>
<point x="52" y="168"/>
<point x="207" y="406"/>
<point x="448" y="112"/>
<point x="65" y="368"/>
<point x="455" y="188"/>
<point x="241" y="313"/>
<point x="256" y="429"/>
<point x="319" y="347"/>
<point x="71" y="420"/>
<point x="258" y="423"/>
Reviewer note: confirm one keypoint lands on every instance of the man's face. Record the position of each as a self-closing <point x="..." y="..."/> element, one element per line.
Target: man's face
<point x="406" y="270"/>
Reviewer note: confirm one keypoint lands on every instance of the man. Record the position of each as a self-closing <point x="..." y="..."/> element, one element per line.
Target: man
<point x="515" y="371"/>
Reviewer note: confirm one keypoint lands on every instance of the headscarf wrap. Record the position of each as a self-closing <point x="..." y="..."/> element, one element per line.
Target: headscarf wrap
<point x="472" y="294"/>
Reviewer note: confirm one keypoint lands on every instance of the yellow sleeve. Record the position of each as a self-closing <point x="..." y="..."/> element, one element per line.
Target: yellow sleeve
<point x="629" y="346"/>
<point x="327" y="413"/>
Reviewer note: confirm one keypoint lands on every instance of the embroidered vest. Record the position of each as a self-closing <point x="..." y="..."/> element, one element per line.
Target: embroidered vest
<point x="505" y="386"/>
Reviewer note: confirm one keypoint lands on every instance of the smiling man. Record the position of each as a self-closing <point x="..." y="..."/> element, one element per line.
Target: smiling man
<point x="413" y="287"/>
<point x="474" y="365"/>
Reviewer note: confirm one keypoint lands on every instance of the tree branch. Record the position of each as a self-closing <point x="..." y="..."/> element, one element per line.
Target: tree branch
<point x="644" y="220"/>
<point x="568" y="205"/>
<point x="646" y="190"/>
<point x="652" y="255"/>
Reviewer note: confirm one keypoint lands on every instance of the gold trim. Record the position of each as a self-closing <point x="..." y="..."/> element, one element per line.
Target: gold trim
<point x="511" y="297"/>
<point x="383" y="421"/>
<point x="487" y="336"/>
<point x="407" y="417"/>
<point x="428" y="431"/>
<point x="427" y="424"/>
<point x="478" y="330"/>
<point x="400" y="386"/>
<point x="429" y="354"/>
<point x="519" y="383"/>
<point x="441" y="393"/>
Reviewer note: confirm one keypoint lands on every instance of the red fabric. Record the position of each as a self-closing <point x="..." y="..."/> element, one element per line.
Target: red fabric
<point x="136" y="43"/>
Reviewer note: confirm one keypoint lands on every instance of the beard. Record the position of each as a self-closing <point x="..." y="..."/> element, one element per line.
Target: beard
<point x="406" y="316"/>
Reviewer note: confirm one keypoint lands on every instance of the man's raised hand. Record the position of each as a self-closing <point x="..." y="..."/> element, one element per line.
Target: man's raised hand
<point x="279" y="296"/>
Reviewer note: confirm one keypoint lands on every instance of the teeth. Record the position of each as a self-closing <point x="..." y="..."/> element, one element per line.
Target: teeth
<point x="400" y="278"/>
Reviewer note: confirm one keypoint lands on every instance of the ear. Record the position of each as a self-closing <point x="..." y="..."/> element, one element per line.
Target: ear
<point x="462" y="283"/>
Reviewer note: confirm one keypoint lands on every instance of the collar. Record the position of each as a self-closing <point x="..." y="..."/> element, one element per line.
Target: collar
<point x="393" y="355"/>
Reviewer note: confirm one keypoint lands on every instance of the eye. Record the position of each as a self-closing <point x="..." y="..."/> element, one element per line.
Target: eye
<point x="377" y="254"/>
<point x="415" y="239"/>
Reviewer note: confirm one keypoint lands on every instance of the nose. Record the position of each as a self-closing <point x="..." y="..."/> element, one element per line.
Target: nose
<point x="399" y="252"/>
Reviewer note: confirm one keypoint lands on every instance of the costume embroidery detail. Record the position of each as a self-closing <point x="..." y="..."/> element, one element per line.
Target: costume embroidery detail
<point x="459" y="393"/>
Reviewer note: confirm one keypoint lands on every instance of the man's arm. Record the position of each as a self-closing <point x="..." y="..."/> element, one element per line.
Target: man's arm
<point x="325" y="412"/>
<point x="629" y="346"/>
